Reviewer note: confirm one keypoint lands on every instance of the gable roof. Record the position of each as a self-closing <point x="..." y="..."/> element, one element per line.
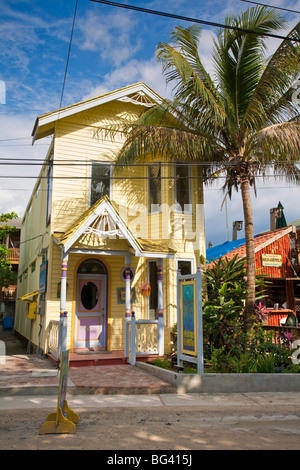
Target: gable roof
<point x="238" y="247"/>
<point x="84" y="223"/>
<point x="138" y="93"/>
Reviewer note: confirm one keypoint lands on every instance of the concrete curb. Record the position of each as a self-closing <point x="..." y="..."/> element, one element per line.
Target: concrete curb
<point x="225" y="383"/>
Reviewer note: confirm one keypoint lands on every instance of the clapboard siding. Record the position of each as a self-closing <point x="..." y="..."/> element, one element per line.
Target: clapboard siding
<point x="79" y="140"/>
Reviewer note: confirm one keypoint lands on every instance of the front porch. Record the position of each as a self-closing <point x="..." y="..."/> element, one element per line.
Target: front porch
<point x="106" y="358"/>
<point x="106" y="270"/>
<point x="141" y="344"/>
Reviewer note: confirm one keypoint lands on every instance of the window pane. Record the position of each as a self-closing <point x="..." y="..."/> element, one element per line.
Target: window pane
<point x="182" y="185"/>
<point x="154" y="173"/>
<point x="153" y="299"/>
<point x="100" y="185"/>
<point x="185" y="267"/>
<point x="49" y="192"/>
<point x="91" y="267"/>
<point x="89" y="295"/>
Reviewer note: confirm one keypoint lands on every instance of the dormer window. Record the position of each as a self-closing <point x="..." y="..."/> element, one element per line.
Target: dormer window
<point x="101" y="183"/>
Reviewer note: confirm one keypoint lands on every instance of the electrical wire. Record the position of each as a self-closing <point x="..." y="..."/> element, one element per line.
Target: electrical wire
<point x="271" y="6"/>
<point x="65" y="162"/>
<point x="193" y="20"/>
<point x="68" y="57"/>
<point x="128" y="178"/>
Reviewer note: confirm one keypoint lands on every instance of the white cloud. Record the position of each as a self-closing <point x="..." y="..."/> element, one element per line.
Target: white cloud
<point x="147" y="71"/>
<point x="15" y="192"/>
<point x="23" y="34"/>
<point x="112" y="37"/>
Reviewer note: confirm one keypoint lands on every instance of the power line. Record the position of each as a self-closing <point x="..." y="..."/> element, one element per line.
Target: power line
<point x="68" y="57"/>
<point x="271" y="6"/>
<point x="83" y="162"/>
<point x="193" y="20"/>
<point x="17" y="138"/>
<point x="130" y="178"/>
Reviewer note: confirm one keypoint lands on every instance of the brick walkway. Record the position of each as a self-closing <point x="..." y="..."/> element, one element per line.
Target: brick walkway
<point x="29" y="373"/>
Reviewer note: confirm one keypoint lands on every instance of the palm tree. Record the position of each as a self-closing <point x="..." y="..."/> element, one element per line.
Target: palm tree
<point x="242" y="121"/>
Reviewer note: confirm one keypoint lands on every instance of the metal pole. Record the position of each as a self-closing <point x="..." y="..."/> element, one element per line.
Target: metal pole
<point x="200" y="353"/>
<point x="160" y="311"/>
<point x="133" y="351"/>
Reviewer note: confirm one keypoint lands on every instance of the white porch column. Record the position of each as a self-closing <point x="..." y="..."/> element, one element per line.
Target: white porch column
<point x="127" y="287"/>
<point x="127" y="302"/>
<point x="160" y="307"/>
<point x="63" y="321"/>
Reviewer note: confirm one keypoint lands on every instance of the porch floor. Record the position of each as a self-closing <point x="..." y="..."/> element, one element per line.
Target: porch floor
<point x="84" y="358"/>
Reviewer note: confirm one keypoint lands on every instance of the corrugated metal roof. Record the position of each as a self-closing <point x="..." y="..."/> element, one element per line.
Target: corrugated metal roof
<point x="238" y="247"/>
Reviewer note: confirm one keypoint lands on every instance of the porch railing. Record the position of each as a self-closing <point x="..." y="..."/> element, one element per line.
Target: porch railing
<point x="143" y="337"/>
<point x="13" y="255"/>
<point x="53" y="337"/>
<point x="58" y="336"/>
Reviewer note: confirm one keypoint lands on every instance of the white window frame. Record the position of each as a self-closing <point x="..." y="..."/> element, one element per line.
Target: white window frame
<point x="110" y="165"/>
<point x="185" y="259"/>
<point x="153" y="260"/>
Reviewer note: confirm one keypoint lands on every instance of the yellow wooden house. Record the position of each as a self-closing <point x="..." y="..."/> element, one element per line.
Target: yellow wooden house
<point x="99" y="242"/>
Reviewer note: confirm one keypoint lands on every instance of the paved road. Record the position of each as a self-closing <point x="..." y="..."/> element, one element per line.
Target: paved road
<point x="252" y="421"/>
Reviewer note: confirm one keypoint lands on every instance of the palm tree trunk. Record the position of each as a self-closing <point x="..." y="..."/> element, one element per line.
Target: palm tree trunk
<point x="250" y="253"/>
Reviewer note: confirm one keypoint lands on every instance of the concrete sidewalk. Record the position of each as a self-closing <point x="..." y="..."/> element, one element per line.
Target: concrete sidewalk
<point x="29" y="374"/>
<point x="240" y="402"/>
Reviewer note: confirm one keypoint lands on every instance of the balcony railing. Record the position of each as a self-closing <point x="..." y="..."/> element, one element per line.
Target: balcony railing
<point x="13" y="255"/>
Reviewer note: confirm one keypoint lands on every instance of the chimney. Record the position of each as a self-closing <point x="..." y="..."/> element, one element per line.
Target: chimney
<point x="236" y="226"/>
<point x="275" y="213"/>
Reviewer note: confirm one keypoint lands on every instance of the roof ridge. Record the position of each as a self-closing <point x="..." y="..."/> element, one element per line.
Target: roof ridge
<point x="95" y="98"/>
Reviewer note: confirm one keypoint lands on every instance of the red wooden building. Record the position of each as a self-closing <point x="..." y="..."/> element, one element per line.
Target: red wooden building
<point x="277" y="260"/>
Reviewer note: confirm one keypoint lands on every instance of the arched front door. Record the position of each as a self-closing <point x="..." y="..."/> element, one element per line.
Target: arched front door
<point x="91" y="306"/>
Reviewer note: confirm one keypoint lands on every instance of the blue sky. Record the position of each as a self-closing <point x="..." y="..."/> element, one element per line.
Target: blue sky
<point x="111" y="48"/>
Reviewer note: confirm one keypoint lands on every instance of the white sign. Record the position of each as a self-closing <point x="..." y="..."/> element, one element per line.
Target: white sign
<point x="274" y="261"/>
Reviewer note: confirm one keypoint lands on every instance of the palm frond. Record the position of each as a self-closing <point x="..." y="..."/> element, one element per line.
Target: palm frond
<point x="276" y="143"/>
<point x="271" y="99"/>
<point x="239" y="58"/>
<point x="182" y="65"/>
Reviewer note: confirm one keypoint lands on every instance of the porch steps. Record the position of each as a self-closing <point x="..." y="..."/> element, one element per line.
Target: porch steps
<point x="107" y="358"/>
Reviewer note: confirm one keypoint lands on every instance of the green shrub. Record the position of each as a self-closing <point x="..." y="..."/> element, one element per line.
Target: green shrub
<point x="163" y="363"/>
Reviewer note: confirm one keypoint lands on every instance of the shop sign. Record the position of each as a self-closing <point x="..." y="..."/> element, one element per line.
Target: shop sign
<point x="274" y="261"/>
<point x="43" y="278"/>
<point x="188" y="317"/>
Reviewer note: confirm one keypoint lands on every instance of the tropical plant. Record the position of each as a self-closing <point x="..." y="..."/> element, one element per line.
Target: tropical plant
<point x="226" y="295"/>
<point x="240" y="123"/>
<point x="7" y="276"/>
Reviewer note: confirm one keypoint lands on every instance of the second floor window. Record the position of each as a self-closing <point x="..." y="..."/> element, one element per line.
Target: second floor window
<point x="100" y="181"/>
<point x="154" y="187"/>
<point x="49" y="190"/>
<point x="182" y="187"/>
